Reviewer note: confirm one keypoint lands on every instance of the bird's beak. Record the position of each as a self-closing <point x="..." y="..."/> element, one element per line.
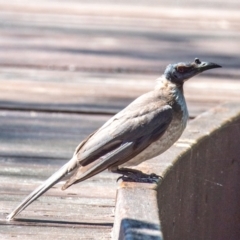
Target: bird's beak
<point x="203" y="66"/>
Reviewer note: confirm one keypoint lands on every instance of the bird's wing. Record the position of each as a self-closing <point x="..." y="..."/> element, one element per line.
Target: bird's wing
<point x="127" y="126"/>
<point x="126" y="135"/>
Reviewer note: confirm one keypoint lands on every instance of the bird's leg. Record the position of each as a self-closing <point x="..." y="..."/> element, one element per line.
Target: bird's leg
<point x="134" y="175"/>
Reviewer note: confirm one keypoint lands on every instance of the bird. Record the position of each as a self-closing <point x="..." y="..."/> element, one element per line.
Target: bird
<point x="147" y="127"/>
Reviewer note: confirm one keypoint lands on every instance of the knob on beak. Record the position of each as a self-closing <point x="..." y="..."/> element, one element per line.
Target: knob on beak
<point x="203" y="66"/>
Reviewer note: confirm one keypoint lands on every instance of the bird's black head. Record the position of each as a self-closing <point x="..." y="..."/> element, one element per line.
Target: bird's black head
<point x="180" y="72"/>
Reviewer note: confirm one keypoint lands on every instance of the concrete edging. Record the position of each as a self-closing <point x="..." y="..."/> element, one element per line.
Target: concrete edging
<point x="200" y="174"/>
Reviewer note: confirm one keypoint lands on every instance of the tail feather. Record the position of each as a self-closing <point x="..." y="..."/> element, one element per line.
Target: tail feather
<point x="51" y="181"/>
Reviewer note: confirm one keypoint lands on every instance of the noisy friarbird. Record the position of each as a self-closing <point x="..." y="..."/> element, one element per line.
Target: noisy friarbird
<point x="144" y="129"/>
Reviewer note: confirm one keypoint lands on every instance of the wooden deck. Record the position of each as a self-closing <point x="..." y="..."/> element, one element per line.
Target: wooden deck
<point x="66" y="67"/>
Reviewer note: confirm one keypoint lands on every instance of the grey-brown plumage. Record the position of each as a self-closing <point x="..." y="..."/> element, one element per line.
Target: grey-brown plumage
<point x="144" y="129"/>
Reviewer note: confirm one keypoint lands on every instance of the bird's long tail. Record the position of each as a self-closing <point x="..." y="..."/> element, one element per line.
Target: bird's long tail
<point x="51" y="181"/>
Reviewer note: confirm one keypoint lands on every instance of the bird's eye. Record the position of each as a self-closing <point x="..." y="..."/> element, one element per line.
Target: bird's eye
<point x="181" y="69"/>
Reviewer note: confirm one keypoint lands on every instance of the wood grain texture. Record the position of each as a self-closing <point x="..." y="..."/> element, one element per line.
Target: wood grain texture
<point x="77" y="92"/>
<point x="33" y="146"/>
<point x="102" y="54"/>
<point x="67" y="66"/>
<point x="124" y="37"/>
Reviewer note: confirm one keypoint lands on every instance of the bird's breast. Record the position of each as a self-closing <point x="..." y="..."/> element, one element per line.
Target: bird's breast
<point x="171" y="135"/>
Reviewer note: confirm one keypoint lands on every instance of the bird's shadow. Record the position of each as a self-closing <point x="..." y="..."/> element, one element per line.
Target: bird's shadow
<point x="56" y="223"/>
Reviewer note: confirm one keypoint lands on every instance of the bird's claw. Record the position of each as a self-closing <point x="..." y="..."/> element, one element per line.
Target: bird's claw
<point x="141" y="178"/>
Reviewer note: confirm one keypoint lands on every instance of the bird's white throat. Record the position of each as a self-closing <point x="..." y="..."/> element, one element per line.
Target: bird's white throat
<point x="171" y="88"/>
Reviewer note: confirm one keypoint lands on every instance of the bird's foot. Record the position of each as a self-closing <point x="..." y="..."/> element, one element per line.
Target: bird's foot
<point x="133" y="175"/>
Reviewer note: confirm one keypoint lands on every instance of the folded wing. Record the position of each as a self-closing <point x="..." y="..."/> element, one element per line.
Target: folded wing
<point x="120" y="139"/>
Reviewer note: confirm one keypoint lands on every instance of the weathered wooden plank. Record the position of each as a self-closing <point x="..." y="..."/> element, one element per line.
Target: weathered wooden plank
<point x="66" y="91"/>
<point x="52" y="232"/>
<point x="92" y="43"/>
<point x="106" y="38"/>
<point x="33" y="146"/>
<point x="43" y="90"/>
<point x="36" y="134"/>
